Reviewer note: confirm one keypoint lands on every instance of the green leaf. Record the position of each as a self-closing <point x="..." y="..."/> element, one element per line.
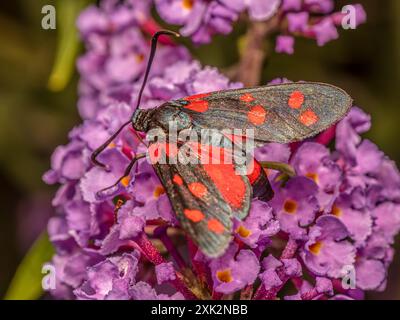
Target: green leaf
<point x="68" y="43"/>
<point x="27" y="281"/>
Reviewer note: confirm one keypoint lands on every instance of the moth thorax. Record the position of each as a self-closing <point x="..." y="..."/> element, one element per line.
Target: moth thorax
<point x="141" y="119"/>
<point x="170" y="116"/>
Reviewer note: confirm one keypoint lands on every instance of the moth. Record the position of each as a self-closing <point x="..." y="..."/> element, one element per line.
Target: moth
<point x="206" y="196"/>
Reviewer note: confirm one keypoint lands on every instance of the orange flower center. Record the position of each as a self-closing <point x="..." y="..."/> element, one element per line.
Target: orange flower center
<point x="290" y="206"/>
<point x="187" y="4"/>
<point x="336" y="211"/>
<point x="316" y="247"/>
<point x="243" y="231"/>
<point x="139" y="58"/>
<point x="125" y="181"/>
<point x="224" y="275"/>
<point x="158" y="191"/>
<point x="313" y="176"/>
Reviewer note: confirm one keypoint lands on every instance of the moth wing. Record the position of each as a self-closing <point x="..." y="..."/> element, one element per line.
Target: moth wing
<point x="205" y="197"/>
<point x="278" y="113"/>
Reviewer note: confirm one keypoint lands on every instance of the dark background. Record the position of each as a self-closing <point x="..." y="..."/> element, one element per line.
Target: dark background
<point x="34" y="119"/>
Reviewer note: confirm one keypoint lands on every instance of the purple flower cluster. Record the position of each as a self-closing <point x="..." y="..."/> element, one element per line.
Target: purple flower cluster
<point x="314" y="19"/>
<point x="117" y="53"/>
<point x="342" y="209"/>
<point x="86" y="230"/>
<point x="201" y="19"/>
<point x="340" y="212"/>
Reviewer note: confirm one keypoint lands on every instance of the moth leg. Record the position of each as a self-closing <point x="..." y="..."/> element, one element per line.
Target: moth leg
<point x="101" y="148"/>
<point x="127" y="171"/>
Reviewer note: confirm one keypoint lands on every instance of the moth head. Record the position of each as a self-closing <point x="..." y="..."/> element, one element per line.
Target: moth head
<point x="141" y="119"/>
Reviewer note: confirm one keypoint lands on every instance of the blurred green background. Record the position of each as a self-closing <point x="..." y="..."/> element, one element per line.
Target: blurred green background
<point x="34" y="119"/>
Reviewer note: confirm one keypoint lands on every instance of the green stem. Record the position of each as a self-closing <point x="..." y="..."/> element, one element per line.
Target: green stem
<point x="279" y="166"/>
<point x="254" y="51"/>
<point x="68" y="43"/>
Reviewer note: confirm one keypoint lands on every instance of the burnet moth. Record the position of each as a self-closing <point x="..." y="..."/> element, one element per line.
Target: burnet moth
<point x="207" y="196"/>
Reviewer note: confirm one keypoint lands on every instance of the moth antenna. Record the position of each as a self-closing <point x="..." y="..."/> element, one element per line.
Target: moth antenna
<point x="154" y="41"/>
<point x="153" y="50"/>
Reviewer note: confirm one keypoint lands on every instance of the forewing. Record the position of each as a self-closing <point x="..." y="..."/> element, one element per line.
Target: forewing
<point x="279" y="113"/>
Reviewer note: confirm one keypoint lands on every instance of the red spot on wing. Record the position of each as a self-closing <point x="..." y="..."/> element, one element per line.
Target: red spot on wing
<point x="247" y="97"/>
<point x="253" y="176"/>
<point x="154" y="152"/>
<point x="198" y="189"/>
<point x="158" y="149"/>
<point x="215" y="226"/>
<point x="257" y="115"/>
<point x="197" y="96"/>
<point x="177" y="180"/>
<point x="210" y="154"/>
<point x="198" y="105"/>
<point x="229" y="184"/>
<point x="218" y="164"/>
<point x="308" y="118"/>
<point x="296" y="100"/>
<point x="193" y="215"/>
